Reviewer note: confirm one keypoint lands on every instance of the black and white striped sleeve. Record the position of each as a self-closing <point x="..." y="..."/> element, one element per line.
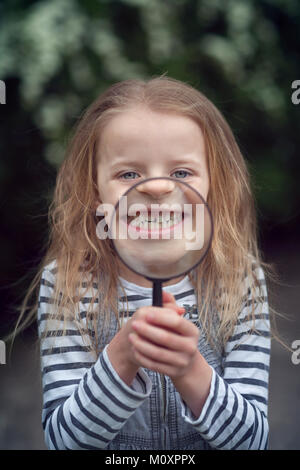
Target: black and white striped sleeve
<point x="85" y="402"/>
<point x="234" y="415"/>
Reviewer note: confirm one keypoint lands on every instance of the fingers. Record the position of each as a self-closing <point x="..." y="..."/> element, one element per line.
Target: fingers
<point x="162" y="368"/>
<point x="167" y="297"/>
<point x="159" y="355"/>
<point x="161" y="339"/>
<point x="170" y="302"/>
<point x="176" y="323"/>
<point x="147" y="311"/>
<point x="176" y="308"/>
<point x="168" y="338"/>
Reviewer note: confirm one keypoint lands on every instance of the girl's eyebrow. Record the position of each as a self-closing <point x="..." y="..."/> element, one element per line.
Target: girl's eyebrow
<point x="178" y="160"/>
<point x="124" y="161"/>
<point x="187" y="159"/>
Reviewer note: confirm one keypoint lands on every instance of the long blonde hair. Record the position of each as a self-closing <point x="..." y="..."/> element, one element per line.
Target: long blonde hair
<point x="80" y="255"/>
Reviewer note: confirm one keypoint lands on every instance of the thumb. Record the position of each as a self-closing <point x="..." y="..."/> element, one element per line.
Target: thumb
<point x="170" y="302"/>
<point x="168" y="298"/>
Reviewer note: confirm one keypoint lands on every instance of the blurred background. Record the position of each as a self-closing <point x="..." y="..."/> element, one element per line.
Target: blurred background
<point x="56" y="56"/>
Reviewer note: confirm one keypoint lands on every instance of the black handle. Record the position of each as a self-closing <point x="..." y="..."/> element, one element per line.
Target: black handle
<point x="157" y="294"/>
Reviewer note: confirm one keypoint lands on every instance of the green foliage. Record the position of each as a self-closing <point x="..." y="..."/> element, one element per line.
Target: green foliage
<point x="242" y="55"/>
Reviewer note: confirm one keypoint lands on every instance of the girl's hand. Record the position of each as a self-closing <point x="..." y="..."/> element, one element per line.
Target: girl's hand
<point x="163" y="341"/>
<point x="140" y="316"/>
<point x="120" y="350"/>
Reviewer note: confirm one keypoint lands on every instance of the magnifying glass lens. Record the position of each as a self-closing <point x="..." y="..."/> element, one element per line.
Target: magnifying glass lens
<point x="161" y="228"/>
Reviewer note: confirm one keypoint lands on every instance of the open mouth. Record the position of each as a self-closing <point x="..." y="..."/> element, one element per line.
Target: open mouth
<point x="152" y="221"/>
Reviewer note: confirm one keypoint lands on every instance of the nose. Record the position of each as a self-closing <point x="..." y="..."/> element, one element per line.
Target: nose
<point x="157" y="187"/>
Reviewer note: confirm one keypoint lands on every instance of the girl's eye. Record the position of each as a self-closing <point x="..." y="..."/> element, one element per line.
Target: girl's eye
<point x="128" y="175"/>
<point x="181" y="173"/>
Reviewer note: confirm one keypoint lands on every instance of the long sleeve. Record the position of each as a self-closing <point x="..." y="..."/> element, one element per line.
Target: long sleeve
<point x="85" y="402"/>
<point x="234" y="415"/>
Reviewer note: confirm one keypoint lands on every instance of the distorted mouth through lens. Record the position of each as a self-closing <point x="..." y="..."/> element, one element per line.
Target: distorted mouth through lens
<point x="155" y="220"/>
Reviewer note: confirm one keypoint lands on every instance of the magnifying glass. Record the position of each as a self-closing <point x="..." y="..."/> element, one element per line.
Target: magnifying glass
<point x="161" y="228"/>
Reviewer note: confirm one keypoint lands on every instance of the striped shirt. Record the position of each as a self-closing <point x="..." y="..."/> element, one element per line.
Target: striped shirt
<point x="86" y="405"/>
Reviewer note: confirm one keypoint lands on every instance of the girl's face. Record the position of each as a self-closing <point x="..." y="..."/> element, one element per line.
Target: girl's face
<point x="141" y="143"/>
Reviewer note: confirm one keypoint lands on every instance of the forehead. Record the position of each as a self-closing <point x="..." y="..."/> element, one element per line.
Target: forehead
<point x="141" y="126"/>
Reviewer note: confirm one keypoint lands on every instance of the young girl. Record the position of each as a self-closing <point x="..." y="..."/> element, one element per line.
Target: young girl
<point x="118" y="373"/>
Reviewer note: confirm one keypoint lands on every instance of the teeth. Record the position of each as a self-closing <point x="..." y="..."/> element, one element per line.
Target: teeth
<point x="166" y="220"/>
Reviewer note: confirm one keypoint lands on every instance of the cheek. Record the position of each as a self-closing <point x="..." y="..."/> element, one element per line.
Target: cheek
<point x="206" y="191"/>
<point x="202" y="187"/>
<point x="110" y="191"/>
<point x="205" y="186"/>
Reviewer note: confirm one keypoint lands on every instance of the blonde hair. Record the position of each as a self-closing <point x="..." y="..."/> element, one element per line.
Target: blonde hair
<point x="78" y="252"/>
